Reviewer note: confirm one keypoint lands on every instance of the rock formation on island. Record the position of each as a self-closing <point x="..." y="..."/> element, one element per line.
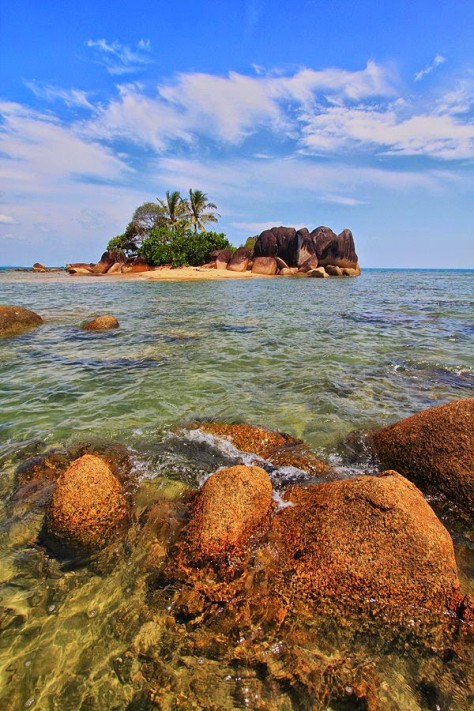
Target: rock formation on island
<point x="282" y="251"/>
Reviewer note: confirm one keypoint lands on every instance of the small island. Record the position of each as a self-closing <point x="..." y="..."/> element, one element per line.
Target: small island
<point x="168" y="239"/>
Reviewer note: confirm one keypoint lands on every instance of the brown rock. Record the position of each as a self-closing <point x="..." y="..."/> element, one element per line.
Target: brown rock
<point x="434" y="449"/>
<point x="278" y="448"/>
<point x="44" y="467"/>
<point x="339" y="252"/>
<point x="333" y="270"/>
<point x="319" y="273"/>
<point x="115" y="268"/>
<point x="239" y="260"/>
<point x="231" y="505"/>
<point x="371" y="544"/>
<point x="266" y="245"/>
<point x="288" y="271"/>
<point x="322" y="237"/>
<point x="79" y="268"/>
<point x="308" y="265"/>
<point x="223" y="257"/>
<point x="16" y="319"/>
<point x="101" y="323"/>
<point x="281" y="263"/>
<point x="351" y="272"/>
<point x="87" y="507"/>
<point x="264" y="265"/>
<point x="37" y="267"/>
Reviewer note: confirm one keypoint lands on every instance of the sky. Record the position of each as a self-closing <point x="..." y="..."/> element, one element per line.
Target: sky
<point x="316" y="112"/>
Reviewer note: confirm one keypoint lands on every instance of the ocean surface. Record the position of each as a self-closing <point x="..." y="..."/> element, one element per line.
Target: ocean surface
<point x="315" y="358"/>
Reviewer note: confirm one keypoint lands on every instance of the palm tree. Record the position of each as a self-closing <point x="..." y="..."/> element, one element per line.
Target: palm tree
<point x="200" y="210"/>
<point x="174" y="209"/>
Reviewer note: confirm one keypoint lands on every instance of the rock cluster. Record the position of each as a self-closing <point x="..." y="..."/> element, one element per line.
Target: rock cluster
<point x="111" y="262"/>
<point x="287" y="251"/>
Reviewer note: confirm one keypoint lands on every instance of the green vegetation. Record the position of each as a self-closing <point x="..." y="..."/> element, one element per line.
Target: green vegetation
<point x="178" y="247"/>
<point x="172" y="230"/>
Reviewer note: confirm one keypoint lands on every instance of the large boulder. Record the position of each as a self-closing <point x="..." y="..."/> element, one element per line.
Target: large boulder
<point x="222" y="257"/>
<point x="87" y="508"/>
<point x="239" y="260"/>
<point x="339" y="252"/>
<point x="434" y="449"/>
<point x="305" y="249"/>
<point x="370" y="544"/>
<point x="231" y="505"/>
<point x="16" y="319"/>
<point x="39" y="268"/>
<point x="264" y="265"/>
<point x="266" y="245"/>
<point x="322" y="238"/>
<point x="101" y="323"/>
<point x="80" y="268"/>
<point x="287" y="244"/>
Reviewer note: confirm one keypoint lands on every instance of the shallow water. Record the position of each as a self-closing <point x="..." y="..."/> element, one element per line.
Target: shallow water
<point x="315" y="358"/>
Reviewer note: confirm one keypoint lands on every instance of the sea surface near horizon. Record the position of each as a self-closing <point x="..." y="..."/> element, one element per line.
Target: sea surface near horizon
<point x="315" y="358"/>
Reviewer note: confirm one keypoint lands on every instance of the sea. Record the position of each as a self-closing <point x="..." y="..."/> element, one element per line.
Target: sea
<point x="316" y="358"/>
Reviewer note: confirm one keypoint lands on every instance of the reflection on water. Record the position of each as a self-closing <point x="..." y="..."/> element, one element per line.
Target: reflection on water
<point x="317" y="359"/>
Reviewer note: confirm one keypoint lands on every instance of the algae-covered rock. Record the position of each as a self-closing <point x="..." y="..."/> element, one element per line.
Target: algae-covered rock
<point x="87" y="507"/>
<point x="15" y="320"/>
<point x="434" y="449"/>
<point x="369" y="543"/>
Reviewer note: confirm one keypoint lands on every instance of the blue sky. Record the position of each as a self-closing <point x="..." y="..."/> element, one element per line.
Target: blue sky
<point x="339" y="113"/>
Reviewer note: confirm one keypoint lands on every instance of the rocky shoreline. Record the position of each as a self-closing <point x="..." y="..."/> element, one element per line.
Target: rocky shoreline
<point x="235" y="564"/>
<point x="280" y="251"/>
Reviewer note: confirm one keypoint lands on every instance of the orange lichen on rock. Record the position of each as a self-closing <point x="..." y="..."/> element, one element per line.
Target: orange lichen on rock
<point x="87" y="507"/>
<point x="434" y="449"/>
<point x="369" y="543"/>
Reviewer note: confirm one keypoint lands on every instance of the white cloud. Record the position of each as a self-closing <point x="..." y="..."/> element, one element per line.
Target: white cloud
<point x="437" y="136"/>
<point x="71" y="97"/>
<point x="119" y="58"/>
<point x="6" y="220"/>
<point x="256" y="227"/>
<point x="437" y="61"/>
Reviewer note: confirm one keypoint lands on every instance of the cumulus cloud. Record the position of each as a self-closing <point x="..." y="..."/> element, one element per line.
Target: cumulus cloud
<point x="119" y="58"/>
<point x="6" y="220"/>
<point x="437" y="61"/>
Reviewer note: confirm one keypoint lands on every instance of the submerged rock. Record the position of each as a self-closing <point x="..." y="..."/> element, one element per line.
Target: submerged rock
<point x="15" y="320"/>
<point x="101" y="323"/>
<point x="370" y="543"/>
<point x="42" y="468"/>
<point x="87" y="508"/>
<point x="434" y="449"/>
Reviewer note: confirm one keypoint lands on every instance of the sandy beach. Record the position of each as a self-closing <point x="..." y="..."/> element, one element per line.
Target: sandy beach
<point x="194" y="273"/>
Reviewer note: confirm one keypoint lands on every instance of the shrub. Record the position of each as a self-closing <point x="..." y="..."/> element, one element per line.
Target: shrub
<point x="181" y="247"/>
<point x="122" y="244"/>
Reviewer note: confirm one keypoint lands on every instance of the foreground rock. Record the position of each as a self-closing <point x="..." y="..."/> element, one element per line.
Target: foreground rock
<point x="265" y="266"/>
<point x="16" y="319"/>
<point x="230" y="506"/>
<point x="434" y="449"/>
<point x="239" y="260"/>
<point x="87" y="508"/>
<point x="101" y="323"/>
<point x="369" y="543"/>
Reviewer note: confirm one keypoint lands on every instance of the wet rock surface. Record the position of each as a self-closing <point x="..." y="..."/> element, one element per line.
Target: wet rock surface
<point x="87" y="508"/>
<point x="434" y="449"/>
<point x="16" y="319"/>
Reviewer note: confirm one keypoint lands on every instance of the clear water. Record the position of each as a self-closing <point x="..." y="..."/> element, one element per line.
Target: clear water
<point x="315" y="358"/>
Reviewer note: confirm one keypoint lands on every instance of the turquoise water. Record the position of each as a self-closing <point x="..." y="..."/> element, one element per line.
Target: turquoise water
<point x="315" y="358"/>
